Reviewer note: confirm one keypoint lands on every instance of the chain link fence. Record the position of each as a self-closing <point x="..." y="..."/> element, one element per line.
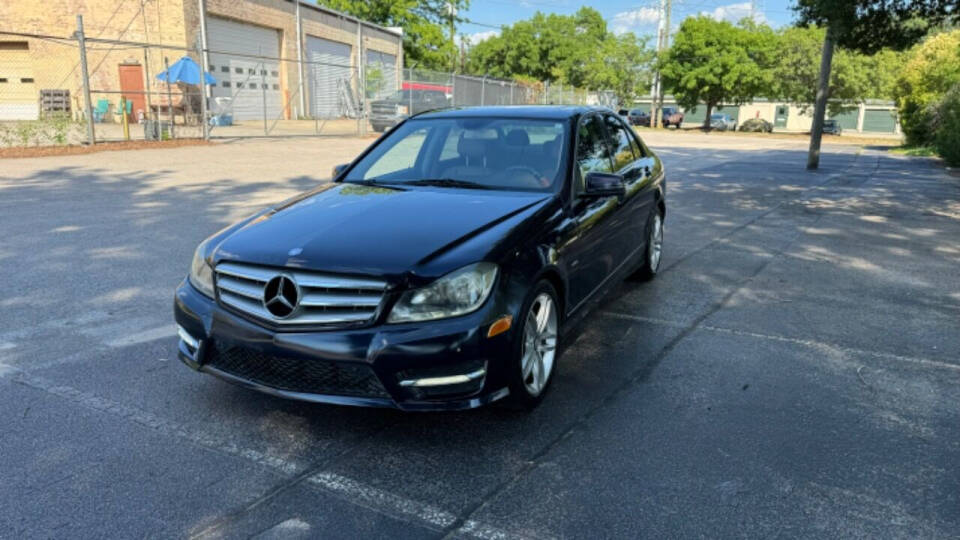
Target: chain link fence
<point x="60" y="90"/>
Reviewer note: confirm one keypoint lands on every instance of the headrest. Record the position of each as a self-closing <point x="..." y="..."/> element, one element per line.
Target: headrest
<point x="518" y="137"/>
<point x="472" y="148"/>
<point x="553" y="145"/>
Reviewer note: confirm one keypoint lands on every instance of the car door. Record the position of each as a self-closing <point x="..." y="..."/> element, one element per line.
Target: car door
<point x="587" y="246"/>
<point x="635" y="168"/>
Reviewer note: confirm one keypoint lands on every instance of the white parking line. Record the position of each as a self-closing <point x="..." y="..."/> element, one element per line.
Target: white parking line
<point x="347" y="489"/>
<point x="783" y="339"/>
<point x="379" y="500"/>
<point x="167" y="330"/>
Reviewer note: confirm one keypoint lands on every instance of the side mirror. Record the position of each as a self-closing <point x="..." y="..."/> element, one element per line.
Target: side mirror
<point x="599" y="184"/>
<point x="337" y="169"/>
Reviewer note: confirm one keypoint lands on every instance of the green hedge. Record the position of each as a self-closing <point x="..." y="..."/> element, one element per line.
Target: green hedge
<point x="946" y="136"/>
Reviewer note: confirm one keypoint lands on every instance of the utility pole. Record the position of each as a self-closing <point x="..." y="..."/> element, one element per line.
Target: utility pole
<point x="452" y="13"/>
<point x="663" y="43"/>
<point x="820" y="107"/>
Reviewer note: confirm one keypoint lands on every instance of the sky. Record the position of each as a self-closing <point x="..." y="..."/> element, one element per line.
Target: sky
<point x="637" y="16"/>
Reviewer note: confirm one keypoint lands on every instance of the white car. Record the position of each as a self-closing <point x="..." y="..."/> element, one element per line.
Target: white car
<point x="723" y="122"/>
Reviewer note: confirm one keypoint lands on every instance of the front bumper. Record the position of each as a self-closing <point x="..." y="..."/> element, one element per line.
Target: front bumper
<point x="437" y="365"/>
<point x="385" y="120"/>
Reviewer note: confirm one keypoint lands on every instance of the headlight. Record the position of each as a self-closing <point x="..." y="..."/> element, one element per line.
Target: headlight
<point x="201" y="275"/>
<point x="456" y="293"/>
<point x="403" y="109"/>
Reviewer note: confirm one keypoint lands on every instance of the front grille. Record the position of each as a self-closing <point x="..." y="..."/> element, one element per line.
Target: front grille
<point x="312" y="376"/>
<point x="386" y="109"/>
<point x="324" y="298"/>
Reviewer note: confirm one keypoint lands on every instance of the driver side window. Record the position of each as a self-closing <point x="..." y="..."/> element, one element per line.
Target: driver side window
<point x="401" y="157"/>
<point x="593" y="152"/>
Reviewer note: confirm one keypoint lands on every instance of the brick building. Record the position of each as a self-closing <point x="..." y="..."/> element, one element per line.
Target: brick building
<point x="253" y="50"/>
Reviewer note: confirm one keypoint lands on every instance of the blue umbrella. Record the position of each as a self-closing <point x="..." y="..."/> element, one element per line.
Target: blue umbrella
<point x="187" y="71"/>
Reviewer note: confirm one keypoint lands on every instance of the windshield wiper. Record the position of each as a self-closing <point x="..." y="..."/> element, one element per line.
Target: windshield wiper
<point x="370" y="182"/>
<point x="448" y="182"/>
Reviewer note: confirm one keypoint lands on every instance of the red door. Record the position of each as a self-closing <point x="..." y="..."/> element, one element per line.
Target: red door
<point x="131" y="80"/>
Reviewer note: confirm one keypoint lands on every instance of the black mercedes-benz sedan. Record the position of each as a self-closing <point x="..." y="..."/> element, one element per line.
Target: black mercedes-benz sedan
<point x="442" y="269"/>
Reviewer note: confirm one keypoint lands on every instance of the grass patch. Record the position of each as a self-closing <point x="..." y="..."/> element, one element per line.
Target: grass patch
<point x="916" y="151"/>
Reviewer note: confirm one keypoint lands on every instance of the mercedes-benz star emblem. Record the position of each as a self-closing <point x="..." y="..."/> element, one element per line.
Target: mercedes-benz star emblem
<point x="281" y="296"/>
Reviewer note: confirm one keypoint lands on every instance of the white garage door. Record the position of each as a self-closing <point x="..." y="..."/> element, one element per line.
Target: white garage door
<point x="330" y="78"/>
<point x="382" y="72"/>
<point x="18" y="92"/>
<point x="250" y="82"/>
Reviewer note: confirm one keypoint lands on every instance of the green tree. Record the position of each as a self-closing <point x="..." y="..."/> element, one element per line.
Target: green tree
<point x="931" y="70"/>
<point x="426" y="41"/>
<point x="853" y="77"/>
<point x="715" y="62"/>
<point x="576" y="50"/>
<point x="866" y="26"/>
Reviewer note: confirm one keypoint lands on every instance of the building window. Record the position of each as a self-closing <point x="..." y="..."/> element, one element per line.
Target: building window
<point x="27" y="80"/>
<point x="239" y="85"/>
<point x="225" y="84"/>
<point x="3" y="79"/>
<point x="263" y="72"/>
<point x="225" y="69"/>
<point x="274" y="73"/>
<point x="238" y="70"/>
<point x="251" y="71"/>
<point x="276" y="87"/>
<point x="212" y="68"/>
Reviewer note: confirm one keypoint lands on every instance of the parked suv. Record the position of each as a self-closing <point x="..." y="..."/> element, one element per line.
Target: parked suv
<point x="672" y="117"/>
<point x="388" y="112"/>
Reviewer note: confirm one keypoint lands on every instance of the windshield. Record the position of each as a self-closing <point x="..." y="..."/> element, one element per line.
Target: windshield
<point x="484" y="153"/>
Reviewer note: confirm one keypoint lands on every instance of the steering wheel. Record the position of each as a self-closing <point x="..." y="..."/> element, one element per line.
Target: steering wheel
<point x="532" y="177"/>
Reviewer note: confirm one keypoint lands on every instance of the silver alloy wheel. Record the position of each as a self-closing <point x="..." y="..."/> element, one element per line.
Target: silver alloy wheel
<point x="539" y="344"/>
<point x="656" y="242"/>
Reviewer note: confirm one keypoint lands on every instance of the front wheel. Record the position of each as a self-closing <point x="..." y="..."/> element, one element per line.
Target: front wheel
<point x="536" y="349"/>
<point x="654" y="252"/>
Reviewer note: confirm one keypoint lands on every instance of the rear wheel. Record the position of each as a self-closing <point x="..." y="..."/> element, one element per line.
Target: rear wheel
<point x="537" y="347"/>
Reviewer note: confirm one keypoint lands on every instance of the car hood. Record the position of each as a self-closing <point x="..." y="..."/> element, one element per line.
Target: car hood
<point x="375" y="230"/>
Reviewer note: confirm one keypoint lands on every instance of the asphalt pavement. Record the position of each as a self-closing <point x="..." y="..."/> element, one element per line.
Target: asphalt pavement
<point x="792" y="372"/>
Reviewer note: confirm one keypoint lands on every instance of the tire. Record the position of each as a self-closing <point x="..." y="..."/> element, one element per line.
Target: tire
<point x="653" y="254"/>
<point x="378" y="128"/>
<point x="532" y="370"/>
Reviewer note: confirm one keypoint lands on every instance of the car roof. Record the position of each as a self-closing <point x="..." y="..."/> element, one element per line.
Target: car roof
<point x="547" y="112"/>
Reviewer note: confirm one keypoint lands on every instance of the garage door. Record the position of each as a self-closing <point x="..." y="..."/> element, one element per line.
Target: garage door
<point x="847" y="119"/>
<point x="18" y="93"/>
<point x="879" y="120"/>
<point x="330" y="78"/>
<point x="252" y="83"/>
<point x="381" y="74"/>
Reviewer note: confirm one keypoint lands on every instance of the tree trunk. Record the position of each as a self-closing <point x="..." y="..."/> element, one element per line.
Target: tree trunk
<point x="706" y="120"/>
<point x="823" y="93"/>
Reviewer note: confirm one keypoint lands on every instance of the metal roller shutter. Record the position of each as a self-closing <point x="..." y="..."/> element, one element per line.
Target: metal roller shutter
<point x="732" y="110"/>
<point x="847" y="120"/>
<point x="250" y="82"/>
<point x="386" y="66"/>
<point x="330" y="78"/>
<point x="879" y="120"/>
<point x="18" y="92"/>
